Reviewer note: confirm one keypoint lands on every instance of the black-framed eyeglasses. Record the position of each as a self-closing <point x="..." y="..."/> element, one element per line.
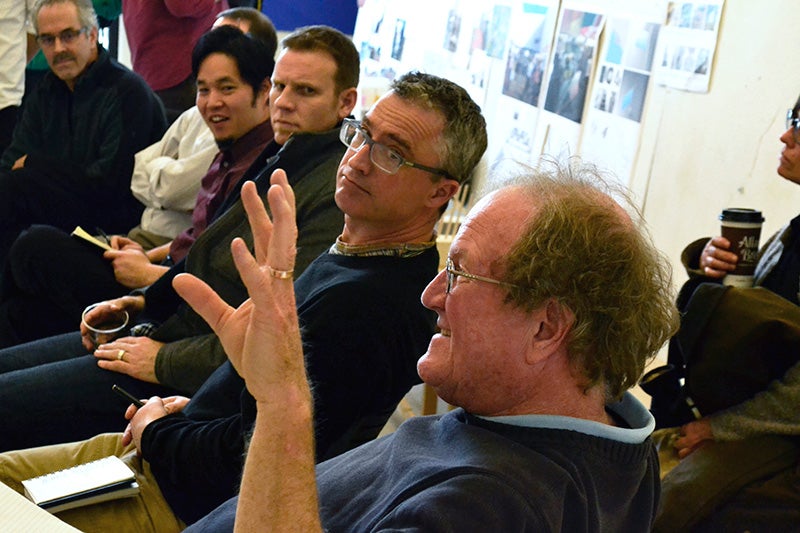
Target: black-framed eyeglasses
<point x="793" y="122"/>
<point x="67" y="37"/>
<point x="355" y="137"/>
<point x="451" y="273"/>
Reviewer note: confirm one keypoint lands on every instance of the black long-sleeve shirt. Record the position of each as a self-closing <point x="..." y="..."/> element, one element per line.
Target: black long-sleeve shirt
<point x="363" y="329"/>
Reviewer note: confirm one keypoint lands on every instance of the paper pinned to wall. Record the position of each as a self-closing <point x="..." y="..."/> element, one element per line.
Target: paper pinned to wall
<point x="686" y="45"/>
<point x="610" y="135"/>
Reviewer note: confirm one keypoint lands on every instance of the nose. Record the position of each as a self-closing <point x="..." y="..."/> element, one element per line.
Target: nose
<point x="360" y="159"/>
<point x="214" y="98"/>
<point x="433" y="297"/>
<point x="788" y="137"/>
<point x="283" y="100"/>
<point x="58" y="44"/>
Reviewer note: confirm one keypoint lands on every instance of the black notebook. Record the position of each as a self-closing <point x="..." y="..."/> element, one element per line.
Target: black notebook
<point x="102" y="480"/>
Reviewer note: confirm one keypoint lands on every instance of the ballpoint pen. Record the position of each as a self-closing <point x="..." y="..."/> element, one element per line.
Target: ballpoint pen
<point x="103" y="234"/>
<point x="125" y="394"/>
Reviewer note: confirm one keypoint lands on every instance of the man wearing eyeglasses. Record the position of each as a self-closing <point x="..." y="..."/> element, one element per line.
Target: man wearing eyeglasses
<point x="72" y="152"/>
<point x="171" y="350"/>
<point x="542" y="331"/>
<point x="363" y="324"/>
<point x="764" y="426"/>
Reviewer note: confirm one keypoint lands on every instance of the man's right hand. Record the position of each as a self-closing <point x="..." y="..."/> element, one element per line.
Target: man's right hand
<point x="133" y="267"/>
<point x="132" y="304"/>
<point x="716" y="261"/>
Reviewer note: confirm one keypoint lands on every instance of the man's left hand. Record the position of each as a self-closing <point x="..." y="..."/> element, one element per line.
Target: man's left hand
<point x="134" y="356"/>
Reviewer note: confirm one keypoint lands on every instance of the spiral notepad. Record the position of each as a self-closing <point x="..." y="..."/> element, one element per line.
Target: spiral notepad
<point x="104" y="479"/>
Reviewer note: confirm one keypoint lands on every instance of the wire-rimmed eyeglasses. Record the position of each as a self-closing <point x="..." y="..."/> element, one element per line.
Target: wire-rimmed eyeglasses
<point x="66" y="37"/>
<point x="793" y="122"/>
<point x="355" y="137"/>
<point x="451" y="273"/>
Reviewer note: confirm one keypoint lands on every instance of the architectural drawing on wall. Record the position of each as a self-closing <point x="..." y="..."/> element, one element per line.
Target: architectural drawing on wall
<point x="611" y="130"/>
<point x="687" y="44"/>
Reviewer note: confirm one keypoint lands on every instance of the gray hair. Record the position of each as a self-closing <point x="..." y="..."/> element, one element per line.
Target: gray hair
<point x="86" y="14"/>
<point x="464" y="134"/>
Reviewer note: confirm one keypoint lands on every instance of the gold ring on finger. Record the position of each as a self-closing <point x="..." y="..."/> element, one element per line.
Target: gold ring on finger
<point x="280" y="274"/>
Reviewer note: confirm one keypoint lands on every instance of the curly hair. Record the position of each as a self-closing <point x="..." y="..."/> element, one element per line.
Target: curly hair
<point x="581" y="249"/>
<point x="464" y="134"/>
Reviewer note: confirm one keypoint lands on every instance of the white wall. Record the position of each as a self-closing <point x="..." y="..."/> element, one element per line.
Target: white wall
<point x="700" y="153"/>
<point x="703" y="152"/>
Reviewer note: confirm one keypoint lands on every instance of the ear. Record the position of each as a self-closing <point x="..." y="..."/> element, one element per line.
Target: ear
<point x="347" y="101"/>
<point x="266" y="87"/>
<point x="552" y="324"/>
<point x="442" y="191"/>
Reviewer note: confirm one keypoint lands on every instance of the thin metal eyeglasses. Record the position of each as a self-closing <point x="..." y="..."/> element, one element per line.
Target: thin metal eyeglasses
<point x="66" y="37"/>
<point x="355" y="137"/>
<point x="451" y="273"/>
<point x="793" y="121"/>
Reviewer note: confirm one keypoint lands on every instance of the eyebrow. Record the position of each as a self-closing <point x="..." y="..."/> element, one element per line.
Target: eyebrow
<point x="59" y="32"/>
<point x="393" y="138"/>
<point x="216" y="81"/>
<point x="296" y="84"/>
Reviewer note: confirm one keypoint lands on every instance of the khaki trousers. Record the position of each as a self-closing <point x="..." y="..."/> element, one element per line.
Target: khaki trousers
<point x="146" y="512"/>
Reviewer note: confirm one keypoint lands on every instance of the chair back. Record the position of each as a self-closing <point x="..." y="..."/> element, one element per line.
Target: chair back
<point x="450" y="221"/>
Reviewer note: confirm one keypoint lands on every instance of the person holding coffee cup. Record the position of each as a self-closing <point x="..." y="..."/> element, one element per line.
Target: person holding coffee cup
<point x="770" y="413"/>
<point x="778" y="263"/>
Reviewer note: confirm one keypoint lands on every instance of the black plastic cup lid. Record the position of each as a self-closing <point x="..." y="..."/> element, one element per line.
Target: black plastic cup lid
<point x="741" y="214"/>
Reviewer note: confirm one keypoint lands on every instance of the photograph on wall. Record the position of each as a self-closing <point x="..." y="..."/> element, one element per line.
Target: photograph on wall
<point x="624" y="72"/>
<point x="611" y="129"/>
<point x="399" y="39"/>
<point x="479" y="64"/>
<point x="498" y="31"/>
<point x="572" y="63"/>
<point x="453" y="30"/>
<point x="528" y="50"/>
<point x="464" y="59"/>
<point x="687" y="44"/>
